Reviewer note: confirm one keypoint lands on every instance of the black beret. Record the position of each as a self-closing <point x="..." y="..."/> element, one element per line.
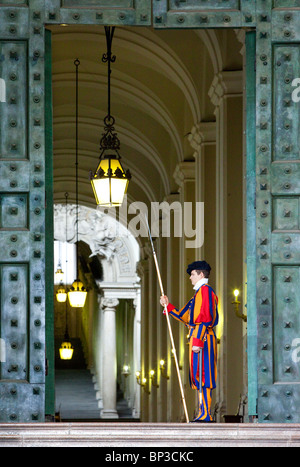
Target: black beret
<point x="198" y="265"/>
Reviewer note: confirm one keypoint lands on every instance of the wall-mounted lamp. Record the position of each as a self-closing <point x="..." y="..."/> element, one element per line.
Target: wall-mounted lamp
<point x="236" y="304"/>
<point x="138" y="377"/>
<point x="126" y="370"/>
<point x="144" y="385"/>
<point x="188" y="339"/>
<point x="142" y="382"/>
<point x="163" y="369"/>
<point x="152" y="378"/>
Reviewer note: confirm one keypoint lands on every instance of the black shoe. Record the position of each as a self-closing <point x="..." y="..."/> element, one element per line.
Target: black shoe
<point x="202" y="421"/>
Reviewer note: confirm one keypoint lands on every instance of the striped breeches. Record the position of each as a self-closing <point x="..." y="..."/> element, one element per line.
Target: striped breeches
<point x="204" y="409"/>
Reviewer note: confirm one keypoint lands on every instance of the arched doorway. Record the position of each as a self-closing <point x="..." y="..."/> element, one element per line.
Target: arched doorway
<point x="106" y="332"/>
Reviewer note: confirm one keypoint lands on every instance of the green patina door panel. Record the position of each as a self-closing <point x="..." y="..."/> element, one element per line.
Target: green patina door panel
<point x="204" y="14"/>
<point x="277" y="204"/>
<point x="22" y="214"/>
<point x="286" y="3"/>
<point x="26" y="255"/>
<point x="14" y="321"/>
<point x="116" y="12"/>
<point x="273" y="276"/>
<point x="13" y="117"/>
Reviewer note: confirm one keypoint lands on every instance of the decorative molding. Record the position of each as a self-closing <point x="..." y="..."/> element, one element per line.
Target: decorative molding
<point x="226" y="83"/>
<point x="105" y="236"/>
<point x="185" y="171"/>
<point x="94" y="228"/>
<point x="201" y="134"/>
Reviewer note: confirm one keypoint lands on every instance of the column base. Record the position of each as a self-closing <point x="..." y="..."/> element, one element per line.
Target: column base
<point x="109" y="413"/>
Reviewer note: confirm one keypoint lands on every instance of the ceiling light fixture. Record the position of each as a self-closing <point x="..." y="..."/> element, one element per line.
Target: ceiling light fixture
<point x="110" y="181"/>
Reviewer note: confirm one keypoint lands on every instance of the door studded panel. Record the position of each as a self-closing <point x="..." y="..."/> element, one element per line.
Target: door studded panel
<point x="15" y="2"/>
<point x="98" y="3"/>
<point x="22" y="212"/>
<point x="200" y="14"/>
<point x="286" y="323"/>
<point x="13" y="115"/>
<point x="14" y="321"/>
<point x="13" y="211"/>
<point x="286" y="112"/>
<point x="286" y="3"/>
<point x="210" y="4"/>
<point x="277" y="205"/>
<point x="119" y="12"/>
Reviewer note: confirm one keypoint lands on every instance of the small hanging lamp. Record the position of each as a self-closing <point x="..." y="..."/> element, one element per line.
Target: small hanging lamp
<point x="66" y="349"/>
<point x="77" y="294"/>
<point x="59" y="274"/>
<point x="61" y="294"/>
<point x="110" y="181"/>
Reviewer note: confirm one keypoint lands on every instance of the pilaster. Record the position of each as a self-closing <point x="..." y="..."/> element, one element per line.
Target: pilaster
<point x="226" y="94"/>
<point x="203" y="140"/>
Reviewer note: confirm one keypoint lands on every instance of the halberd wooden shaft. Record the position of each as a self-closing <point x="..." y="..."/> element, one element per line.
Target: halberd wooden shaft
<point x="169" y="328"/>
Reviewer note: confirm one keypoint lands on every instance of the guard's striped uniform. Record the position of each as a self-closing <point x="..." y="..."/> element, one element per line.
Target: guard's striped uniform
<point x="200" y="314"/>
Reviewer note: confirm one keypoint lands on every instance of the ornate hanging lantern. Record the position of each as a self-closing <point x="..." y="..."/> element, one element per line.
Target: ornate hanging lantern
<point x="110" y="181"/>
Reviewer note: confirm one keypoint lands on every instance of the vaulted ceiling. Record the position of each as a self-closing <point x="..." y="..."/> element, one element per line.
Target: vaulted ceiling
<point x="160" y="84"/>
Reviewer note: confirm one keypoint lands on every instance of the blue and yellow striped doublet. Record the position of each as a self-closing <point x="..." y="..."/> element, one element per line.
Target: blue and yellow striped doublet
<point x="200" y="314"/>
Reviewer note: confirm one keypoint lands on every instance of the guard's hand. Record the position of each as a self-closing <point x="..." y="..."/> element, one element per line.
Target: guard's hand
<point x="196" y="349"/>
<point x="164" y="301"/>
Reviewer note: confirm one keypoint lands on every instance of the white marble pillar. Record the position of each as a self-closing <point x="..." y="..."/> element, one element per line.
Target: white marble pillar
<point x="143" y="272"/>
<point x="109" y="362"/>
<point x="136" y="403"/>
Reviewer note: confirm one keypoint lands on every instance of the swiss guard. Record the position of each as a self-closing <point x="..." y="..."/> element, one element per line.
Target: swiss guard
<point x="200" y="315"/>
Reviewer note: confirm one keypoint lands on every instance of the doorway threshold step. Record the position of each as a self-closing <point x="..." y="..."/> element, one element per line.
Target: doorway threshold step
<point x="135" y="435"/>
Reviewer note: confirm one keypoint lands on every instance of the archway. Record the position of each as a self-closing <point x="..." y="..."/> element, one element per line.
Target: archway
<point x="108" y="255"/>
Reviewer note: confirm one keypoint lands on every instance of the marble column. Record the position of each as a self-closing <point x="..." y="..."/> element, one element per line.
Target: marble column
<point x="109" y="362"/>
<point x="143" y="272"/>
<point x="136" y="406"/>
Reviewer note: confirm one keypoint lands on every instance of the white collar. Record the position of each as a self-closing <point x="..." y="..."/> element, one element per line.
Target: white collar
<point x="200" y="283"/>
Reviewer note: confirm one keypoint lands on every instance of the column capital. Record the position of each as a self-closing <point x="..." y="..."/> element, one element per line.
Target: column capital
<point x="109" y="304"/>
<point x="185" y="171"/>
<point x="202" y="133"/>
<point x="226" y="83"/>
